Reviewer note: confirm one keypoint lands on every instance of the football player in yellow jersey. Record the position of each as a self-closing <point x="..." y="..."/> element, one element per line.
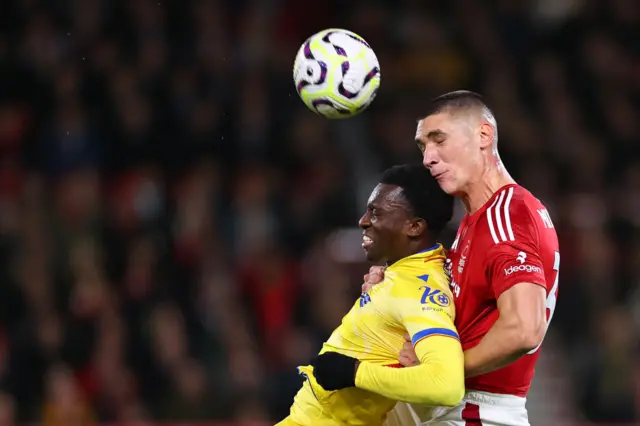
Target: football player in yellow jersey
<point x="405" y="213"/>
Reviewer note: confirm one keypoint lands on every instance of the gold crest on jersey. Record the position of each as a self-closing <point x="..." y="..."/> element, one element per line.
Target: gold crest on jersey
<point x="463" y="258"/>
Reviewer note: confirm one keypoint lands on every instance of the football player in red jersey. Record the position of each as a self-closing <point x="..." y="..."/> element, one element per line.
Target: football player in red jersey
<point x="503" y="263"/>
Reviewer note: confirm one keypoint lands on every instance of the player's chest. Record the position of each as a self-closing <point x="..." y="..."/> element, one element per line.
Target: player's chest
<point x="367" y="330"/>
<point x="465" y="263"/>
<point x="365" y="314"/>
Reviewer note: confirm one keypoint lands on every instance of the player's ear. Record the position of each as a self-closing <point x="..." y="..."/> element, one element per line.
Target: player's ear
<point x="417" y="227"/>
<point x="487" y="135"/>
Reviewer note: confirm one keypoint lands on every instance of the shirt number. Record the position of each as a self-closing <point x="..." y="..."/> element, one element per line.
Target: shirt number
<point x="550" y="303"/>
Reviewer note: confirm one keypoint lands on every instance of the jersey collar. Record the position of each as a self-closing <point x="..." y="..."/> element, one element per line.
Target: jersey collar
<point x="473" y="217"/>
<point x="434" y="252"/>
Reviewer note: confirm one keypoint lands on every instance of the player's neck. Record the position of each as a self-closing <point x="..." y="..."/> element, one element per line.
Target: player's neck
<point x="483" y="188"/>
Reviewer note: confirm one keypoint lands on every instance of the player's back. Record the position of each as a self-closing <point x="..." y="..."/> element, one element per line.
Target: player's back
<point x="509" y="241"/>
<point x="373" y="331"/>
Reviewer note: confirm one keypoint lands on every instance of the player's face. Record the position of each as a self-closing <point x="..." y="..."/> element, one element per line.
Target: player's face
<point x="450" y="149"/>
<point x="384" y="224"/>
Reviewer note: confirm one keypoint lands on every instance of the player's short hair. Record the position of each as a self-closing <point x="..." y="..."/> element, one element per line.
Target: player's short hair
<point x="423" y="194"/>
<point x="463" y="100"/>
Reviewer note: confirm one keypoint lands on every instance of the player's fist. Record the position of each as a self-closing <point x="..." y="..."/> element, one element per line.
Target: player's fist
<point x="408" y="357"/>
<point x="334" y="371"/>
<point x="375" y="276"/>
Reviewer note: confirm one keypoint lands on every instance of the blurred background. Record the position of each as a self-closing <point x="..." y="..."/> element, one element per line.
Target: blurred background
<point x="178" y="231"/>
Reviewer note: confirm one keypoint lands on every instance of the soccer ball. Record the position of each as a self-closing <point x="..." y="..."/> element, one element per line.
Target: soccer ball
<point x="336" y="73"/>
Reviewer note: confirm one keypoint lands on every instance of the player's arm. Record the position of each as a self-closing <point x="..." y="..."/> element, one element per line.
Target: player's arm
<point x="427" y="314"/>
<point x="518" y="281"/>
<point x="519" y="329"/>
<point x="438" y="380"/>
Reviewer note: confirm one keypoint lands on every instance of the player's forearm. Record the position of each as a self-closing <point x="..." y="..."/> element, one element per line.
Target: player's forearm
<point x="502" y="345"/>
<point x="438" y="380"/>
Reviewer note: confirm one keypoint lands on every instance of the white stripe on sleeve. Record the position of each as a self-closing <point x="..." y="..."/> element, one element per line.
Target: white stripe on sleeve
<point x="503" y="236"/>
<point x="490" y="221"/>
<point x="507" y="214"/>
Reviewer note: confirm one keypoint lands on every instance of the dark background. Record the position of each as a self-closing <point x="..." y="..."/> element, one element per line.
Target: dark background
<point x="177" y="229"/>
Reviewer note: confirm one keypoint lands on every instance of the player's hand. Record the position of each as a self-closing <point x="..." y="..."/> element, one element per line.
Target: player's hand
<point x="375" y="276"/>
<point x="334" y="371"/>
<point x="408" y="357"/>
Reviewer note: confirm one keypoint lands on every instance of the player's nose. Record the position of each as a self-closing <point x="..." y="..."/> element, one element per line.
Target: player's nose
<point x="365" y="221"/>
<point x="429" y="158"/>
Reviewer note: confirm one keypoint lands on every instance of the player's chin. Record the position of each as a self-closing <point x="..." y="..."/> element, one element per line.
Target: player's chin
<point x="448" y="185"/>
<point x="371" y="254"/>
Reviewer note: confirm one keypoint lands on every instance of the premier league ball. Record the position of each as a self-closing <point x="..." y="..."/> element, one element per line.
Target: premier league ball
<point x="336" y="73"/>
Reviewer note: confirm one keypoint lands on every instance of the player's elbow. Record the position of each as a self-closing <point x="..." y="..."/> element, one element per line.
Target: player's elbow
<point x="443" y="396"/>
<point x="448" y="392"/>
<point x="451" y="396"/>
<point x="530" y="336"/>
<point x="523" y="316"/>
<point x="525" y="332"/>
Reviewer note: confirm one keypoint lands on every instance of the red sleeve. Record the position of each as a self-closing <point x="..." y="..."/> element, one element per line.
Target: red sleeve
<point x="515" y="258"/>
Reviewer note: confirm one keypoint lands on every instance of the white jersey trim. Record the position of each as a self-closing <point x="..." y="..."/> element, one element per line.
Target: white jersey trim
<point x="507" y="215"/>
<point x="499" y="216"/>
<point x="490" y="221"/>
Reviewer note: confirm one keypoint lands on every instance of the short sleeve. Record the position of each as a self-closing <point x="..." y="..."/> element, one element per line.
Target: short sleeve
<point x="516" y="259"/>
<point x="425" y="310"/>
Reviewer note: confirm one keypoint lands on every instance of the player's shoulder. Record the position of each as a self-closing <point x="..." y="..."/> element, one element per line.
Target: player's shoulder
<point x="513" y="199"/>
<point x="522" y="198"/>
<point x="405" y="284"/>
<point x="527" y="211"/>
<point x="514" y="212"/>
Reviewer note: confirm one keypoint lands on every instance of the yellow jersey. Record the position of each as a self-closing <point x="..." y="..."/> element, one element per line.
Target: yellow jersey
<point x="414" y="297"/>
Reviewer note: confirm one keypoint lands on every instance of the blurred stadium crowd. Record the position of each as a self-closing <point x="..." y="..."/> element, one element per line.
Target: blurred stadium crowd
<point x="168" y="204"/>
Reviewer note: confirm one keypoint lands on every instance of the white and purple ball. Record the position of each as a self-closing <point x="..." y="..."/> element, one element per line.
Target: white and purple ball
<point x="336" y="73"/>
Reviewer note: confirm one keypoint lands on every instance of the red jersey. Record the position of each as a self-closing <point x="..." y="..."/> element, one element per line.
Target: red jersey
<point x="510" y="240"/>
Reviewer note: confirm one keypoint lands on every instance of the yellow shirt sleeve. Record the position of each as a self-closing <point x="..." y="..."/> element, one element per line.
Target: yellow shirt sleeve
<point x="427" y="314"/>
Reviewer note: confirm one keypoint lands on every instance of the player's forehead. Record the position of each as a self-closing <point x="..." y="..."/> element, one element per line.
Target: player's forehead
<point x="386" y="196"/>
<point x="431" y="124"/>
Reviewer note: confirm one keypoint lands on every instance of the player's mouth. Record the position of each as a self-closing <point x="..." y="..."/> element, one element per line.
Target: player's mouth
<point x="366" y="242"/>
<point x="438" y="176"/>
